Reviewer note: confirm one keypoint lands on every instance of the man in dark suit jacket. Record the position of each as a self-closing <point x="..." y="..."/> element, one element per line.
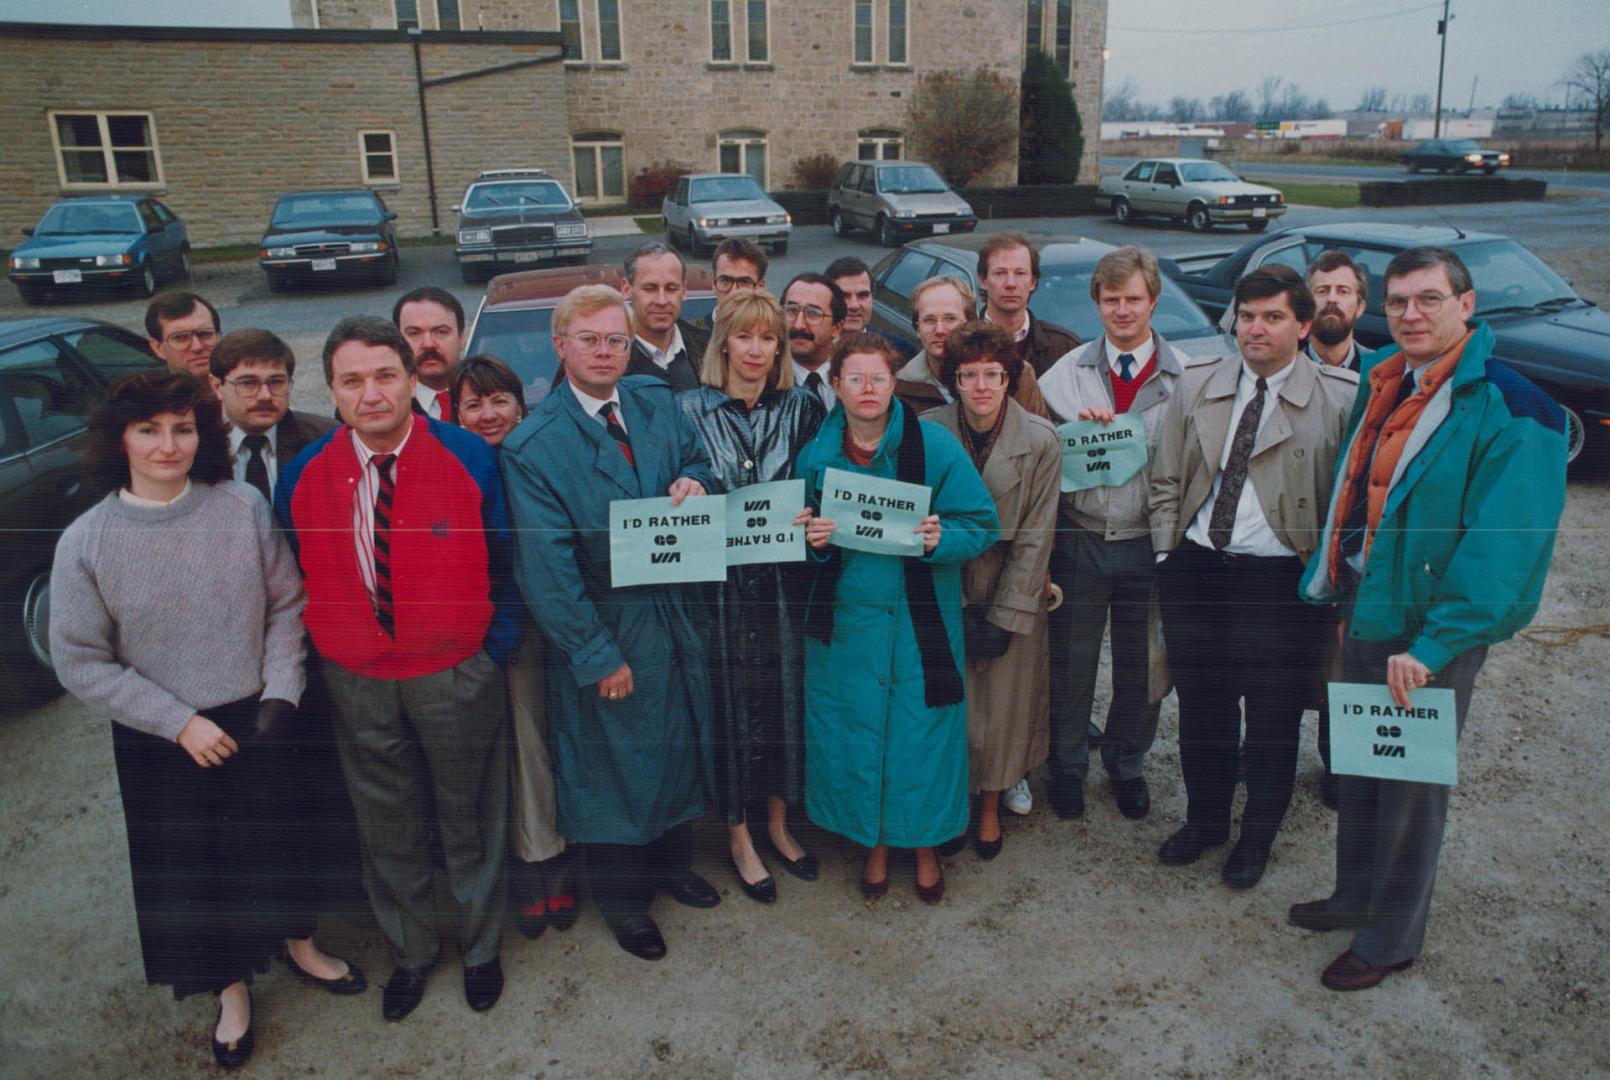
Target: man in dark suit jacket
<point x="665" y="347"/>
<point x="251" y="373"/>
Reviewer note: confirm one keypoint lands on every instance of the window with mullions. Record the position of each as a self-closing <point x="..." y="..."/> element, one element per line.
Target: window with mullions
<point x="897" y="31"/>
<point x="759" y="28"/>
<point x="570" y="27"/>
<point x="600" y="161"/>
<point x="609" y="31"/>
<point x="721" y="31"/>
<point x="863" y="32"/>
<point x="106" y="149"/>
<point x="447" y="15"/>
<point x="743" y="152"/>
<point x="407" y="14"/>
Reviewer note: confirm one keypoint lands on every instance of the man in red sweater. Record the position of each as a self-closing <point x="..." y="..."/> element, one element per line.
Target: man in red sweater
<point x="400" y="525"/>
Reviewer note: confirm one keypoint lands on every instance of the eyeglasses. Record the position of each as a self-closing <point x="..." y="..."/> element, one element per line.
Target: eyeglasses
<point x="932" y="322"/>
<point x="615" y="343"/>
<point x="812" y="314"/>
<point x="181" y="339"/>
<point x="726" y="283"/>
<point x="858" y="382"/>
<point x="250" y="385"/>
<point x="1427" y="303"/>
<point x="992" y="378"/>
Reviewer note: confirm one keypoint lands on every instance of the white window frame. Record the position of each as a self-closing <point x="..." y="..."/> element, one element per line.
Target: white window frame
<point x="749" y="137"/>
<point x="581" y="30"/>
<point x="888" y="35"/>
<point x="880" y="138"/>
<point x="617" y="140"/>
<point x="112" y="182"/>
<point x="872" y="9"/>
<point x="748" y="59"/>
<point x="598" y="33"/>
<point x="363" y="159"/>
<point x="732" y="31"/>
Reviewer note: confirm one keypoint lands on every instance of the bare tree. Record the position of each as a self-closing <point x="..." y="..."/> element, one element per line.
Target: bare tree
<point x="1320" y="110"/>
<point x="964" y="123"/>
<point x="1520" y="101"/>
<point x="1234" y="107"/>
<point x="1294" y="103"/>
<point x="1420" y="105"/>
<point x="1372" y="100"/>
<point x="1185" y="110"/>
<point x="1268" y="93"/>
<point x="1122" y="103"/>
<point x="1590" y="77"/>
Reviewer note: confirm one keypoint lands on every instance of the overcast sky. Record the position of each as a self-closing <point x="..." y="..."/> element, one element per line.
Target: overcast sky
<point x="1330" y="48"/>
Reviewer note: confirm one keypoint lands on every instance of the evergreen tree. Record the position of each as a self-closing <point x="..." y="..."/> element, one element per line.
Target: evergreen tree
<point x="1050" y="138"/>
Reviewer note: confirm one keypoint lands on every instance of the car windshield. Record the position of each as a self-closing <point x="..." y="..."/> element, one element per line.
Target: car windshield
<point x="724" y="189"/>
<point x="331" y="208"/>
<point x="79" y="218"/>
<point x="1204" y="172"/>
<point x="910" y="180"/>
<point x="1509" y="277"/>
<point x="1064" y="298"/>
<point x="501" y="196"/>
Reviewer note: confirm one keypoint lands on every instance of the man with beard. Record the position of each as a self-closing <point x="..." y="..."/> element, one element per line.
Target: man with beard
<point x="854" y="278"/>
<point x="1339" y="286"/>
<point x="432" y="320"/>
<point x="665" y="347"/>
<point x="813" y="307"/>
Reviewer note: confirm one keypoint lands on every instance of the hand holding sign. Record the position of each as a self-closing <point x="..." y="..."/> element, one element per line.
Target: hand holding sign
<point x="760" y="528"/>
<point x="1373" y="735"/>
<point x="1101" y="452"/>
<point x="660" y="541"/>
<point x="869" y="513"/>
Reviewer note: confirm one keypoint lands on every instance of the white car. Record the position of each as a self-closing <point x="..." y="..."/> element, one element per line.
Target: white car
<point x="707" y="208"/>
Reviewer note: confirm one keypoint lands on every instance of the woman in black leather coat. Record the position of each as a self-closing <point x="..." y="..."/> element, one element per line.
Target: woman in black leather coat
<point x="753" y="423"/>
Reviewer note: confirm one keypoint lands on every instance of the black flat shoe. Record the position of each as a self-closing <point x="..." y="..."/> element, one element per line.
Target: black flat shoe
<point x="352" y="982"/>
<point x="640" y="936"/>
<point x="804" y="867"/>
<point x="872" y="891"/>
<point x="563" y="911"/>
<point x="483" y="985"/>
<point x="988" y="849"/>
<point x="952" y="846"/>
<point x="532" y="919"/>
<point x="232" y="1055"/>
<point x="694" y="891"/>
<point x="404" y="990"/>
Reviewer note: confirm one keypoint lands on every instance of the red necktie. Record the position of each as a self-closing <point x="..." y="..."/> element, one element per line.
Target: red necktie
<point x="444" y="402"/>
<point x="613" y="423"/>
<point x="384" y="610"/>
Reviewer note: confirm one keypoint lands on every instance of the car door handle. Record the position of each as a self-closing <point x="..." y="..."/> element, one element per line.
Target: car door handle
<point x="68" y="486"/>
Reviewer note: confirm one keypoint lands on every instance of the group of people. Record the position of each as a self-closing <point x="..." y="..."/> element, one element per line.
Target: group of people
<point x="427" y="581"/>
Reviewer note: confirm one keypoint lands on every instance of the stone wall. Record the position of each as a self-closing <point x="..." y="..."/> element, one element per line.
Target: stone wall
<point x="243" y="116"/>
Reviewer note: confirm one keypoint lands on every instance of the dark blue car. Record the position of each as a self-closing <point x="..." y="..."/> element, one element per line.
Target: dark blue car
<point x="329" y="234"/>
<point x="128" y="240"/>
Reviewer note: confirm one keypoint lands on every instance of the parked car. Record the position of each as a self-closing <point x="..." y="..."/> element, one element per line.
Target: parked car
<point x="321" y="234"/>
<point x="1460" y="155"/>
<point x="1545" y="330"/>
<point x="1063" y="296"/>
<point x="52" y="371"/>
<point x="514" y="321"/>
<point x="707" y="208"/>
<point x="896" y="200"/>
<point x="1200" y="193"/>
<point x="101" y="240"/>
<point x="513" y="218"/>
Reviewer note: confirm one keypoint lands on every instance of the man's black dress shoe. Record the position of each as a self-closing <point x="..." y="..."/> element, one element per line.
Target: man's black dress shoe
<point x="352" y="982"/>
<point x="1067" y="797"/>
<point x="1245" y="866"/>
<point x="403" y="992"/>
<point x="1133" y="796"/>
<point x="694" y="891"/>
<point x="1317" y="915"/>
<point x="232" y="1055"/>
<point x="640" y="936"/>
<point x="1329" y="791"/>
<point x="483" y="985"/>
<point x="1186" y="845"/>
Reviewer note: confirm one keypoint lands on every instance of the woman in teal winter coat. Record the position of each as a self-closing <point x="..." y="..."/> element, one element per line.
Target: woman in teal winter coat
<point x="885" y="709"/>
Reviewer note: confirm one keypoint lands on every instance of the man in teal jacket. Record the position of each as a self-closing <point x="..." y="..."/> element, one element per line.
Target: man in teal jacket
<point x="1436" y="546"/>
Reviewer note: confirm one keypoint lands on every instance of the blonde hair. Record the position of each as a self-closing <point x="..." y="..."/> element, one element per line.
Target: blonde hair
<point x="747" y="309"/>
<point x="969" y="298"/>
<point x="586" y="300"/>
<point x="1114" y="269"/>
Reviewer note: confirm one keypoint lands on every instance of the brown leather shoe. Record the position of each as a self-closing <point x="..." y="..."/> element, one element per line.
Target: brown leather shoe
<point x="1317" y="915"/>
<point x="1350" y="972"/>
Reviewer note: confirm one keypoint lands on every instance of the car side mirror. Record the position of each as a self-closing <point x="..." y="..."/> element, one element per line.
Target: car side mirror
<point x="391" y="215"/>
<point x="29" y="231"/>
<point x="580" y="204"/>
<point x="457" y="208"/>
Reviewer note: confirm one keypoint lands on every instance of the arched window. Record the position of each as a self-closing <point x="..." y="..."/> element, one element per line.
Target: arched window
<point x="600" y="160"/>
<point x="743" y="151"/>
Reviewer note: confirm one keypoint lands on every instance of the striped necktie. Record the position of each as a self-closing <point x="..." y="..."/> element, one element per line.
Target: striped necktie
<point x="618" y="431"/>
<point x="384" y="610"/>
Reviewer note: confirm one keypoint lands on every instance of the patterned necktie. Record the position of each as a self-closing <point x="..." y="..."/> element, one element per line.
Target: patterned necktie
<point x="256" y="467"/>
<point x="1126" y="362"/>
<point x="384" y="611"/>
<point x="444" y="402"/>
<point x="1222" y="522"/>
<point x="612" y="423"/>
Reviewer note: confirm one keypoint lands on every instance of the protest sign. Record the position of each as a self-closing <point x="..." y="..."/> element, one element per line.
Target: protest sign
<point x="1102" y="455"/>
<point x="1372" y="736"/>
<point x="652" y="542"/>
<point x="760" y="523"/>
<point x="873" y="514"/>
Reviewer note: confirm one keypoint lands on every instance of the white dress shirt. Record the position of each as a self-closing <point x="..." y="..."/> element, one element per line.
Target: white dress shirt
<point x="239" y="455"/>
<point x="1140" y="356"/>
<point x="1251" y="534"/>
<point x="662" y="357"/>
<point x="824" y="391"/>
<point x="363" y="506"/>
<point x="593" y="406"/>
<point x="428" y="401"/>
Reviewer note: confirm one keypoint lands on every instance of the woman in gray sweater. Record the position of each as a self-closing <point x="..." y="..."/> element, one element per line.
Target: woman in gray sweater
<point x="176" y="611"/>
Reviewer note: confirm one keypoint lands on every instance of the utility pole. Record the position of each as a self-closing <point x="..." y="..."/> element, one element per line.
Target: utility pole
<point x="1442" y="63"/>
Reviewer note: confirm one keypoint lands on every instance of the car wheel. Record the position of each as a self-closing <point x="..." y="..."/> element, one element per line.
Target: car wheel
<point x="183" y="271"/>
<point x="1196" y="216"/>
<point x="886" y="235"/>
<point x="388" y="269"/>
<point x="277" y="281"/>
<point x="840" y="226"/>
<point x="1257" y="224"/>
<point x="28" y="676"/>
<point x="1122" y="213"/>
<point x="32" y="294"/>
<point x="145" y="284"/>
<point x="780" y="248"/>
<point x="473" y="275"/>
<point x="1576" y="434"/>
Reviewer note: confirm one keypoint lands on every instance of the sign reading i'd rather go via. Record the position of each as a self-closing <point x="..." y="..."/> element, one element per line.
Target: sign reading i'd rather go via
<point x="652" y="542"/>
<point x="1102" y="455"/>
<point x="1370" y="735"/>
<point x="873" y="514"/>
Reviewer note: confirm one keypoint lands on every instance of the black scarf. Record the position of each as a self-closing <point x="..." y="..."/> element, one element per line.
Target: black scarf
<point x="942" y="680"/>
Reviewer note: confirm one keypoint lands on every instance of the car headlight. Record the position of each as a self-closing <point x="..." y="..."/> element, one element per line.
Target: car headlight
<point x="24" y="264"/>
<point x="1473" y="157"/>
<point x="111" y="260"/>
<point x="777" y="219"/>
<point x="366" y="247"/>
<point x="1503" y="159"/>
<point x="474" y="236"/>
<point x="576" y="229"/>
<point x="279" y="253"/>
<point x="1225" y="200"/>
<point x="905" y="213"/>
<point x="966" y="209"/>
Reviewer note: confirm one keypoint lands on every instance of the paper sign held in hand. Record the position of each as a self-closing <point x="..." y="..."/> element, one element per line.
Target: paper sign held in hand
<point x="1102" y="455"/>
<point x="652" y="542"/>
<point x="760" y="523"/>
<point x="873" y="514"/>
<point x="1372" y="736"/>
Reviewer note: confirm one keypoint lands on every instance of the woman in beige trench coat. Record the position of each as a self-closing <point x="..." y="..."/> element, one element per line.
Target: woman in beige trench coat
<point x="1008" y="668"/>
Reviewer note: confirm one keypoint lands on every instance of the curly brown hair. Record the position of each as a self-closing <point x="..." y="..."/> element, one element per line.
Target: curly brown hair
<point x="139" y="397"/>
<point x="979" y="340"/>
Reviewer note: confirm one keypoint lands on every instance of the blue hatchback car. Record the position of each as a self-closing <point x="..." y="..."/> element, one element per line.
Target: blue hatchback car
<point x="128" y="240"/>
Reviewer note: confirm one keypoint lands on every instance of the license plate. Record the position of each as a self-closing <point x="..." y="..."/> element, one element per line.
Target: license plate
<point x="1259" y="211"/>
<point x="940" y="230"/>
<point x="324" y="264"/>
<point x="571" y="251"/>
<point x="530" y="256"/>
<point x="67" y="277"/>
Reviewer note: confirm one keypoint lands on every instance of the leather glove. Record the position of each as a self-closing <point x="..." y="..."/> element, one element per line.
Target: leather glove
<point x="274" y="718"/>
<point x="984" y="640"/>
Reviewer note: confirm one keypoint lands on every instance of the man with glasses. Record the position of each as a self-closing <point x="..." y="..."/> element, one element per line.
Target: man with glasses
<point x="251" y="373"/>
<point x="738" y="264"/>
<point x="854" y="279"/>
<point x="1448" y="494"/>
<point x="1008" y="274"/>
<point x="654" y="282"/>
<point x="938" y="306"/>
<point x="813" y="309"/>
<point x="628" y="695"/>
<point x="182" y="329"/>
<point x="1339" y="286"/>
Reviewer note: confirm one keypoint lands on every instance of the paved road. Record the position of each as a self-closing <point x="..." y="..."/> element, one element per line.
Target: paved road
<point x="1319" y="169"/>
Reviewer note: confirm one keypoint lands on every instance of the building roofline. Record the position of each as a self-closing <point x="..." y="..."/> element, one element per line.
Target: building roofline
<point x="77" y="32"/>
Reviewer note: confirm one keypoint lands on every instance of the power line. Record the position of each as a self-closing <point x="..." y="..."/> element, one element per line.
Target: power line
<point x="1277" y="29"/>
